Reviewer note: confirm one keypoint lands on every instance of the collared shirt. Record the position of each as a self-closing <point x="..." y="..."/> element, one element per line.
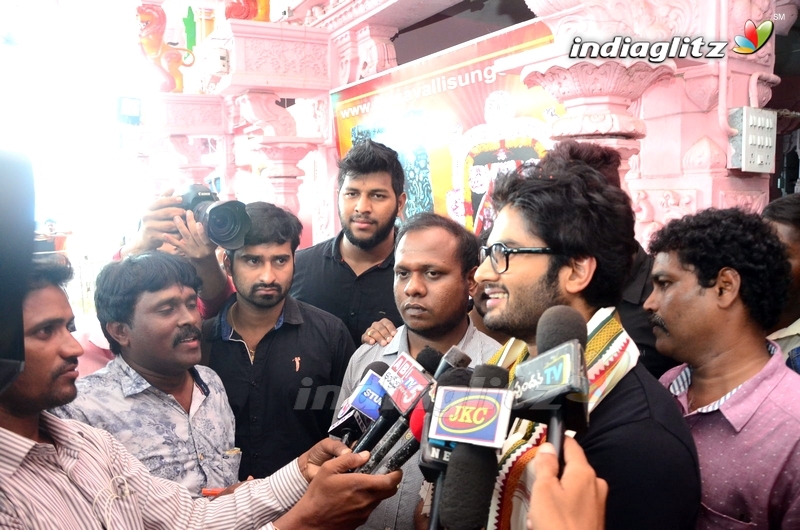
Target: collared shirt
<point x="397" y="512"/>
<point x="749" y="449"/>
<point x="89" y="481"/>
<point x="194" y="449"/>
<point x="323" y="279"/>
<point x="283" y="400"/>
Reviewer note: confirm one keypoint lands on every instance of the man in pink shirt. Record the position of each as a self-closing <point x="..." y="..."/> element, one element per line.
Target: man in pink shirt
<point x="720" y="281"/>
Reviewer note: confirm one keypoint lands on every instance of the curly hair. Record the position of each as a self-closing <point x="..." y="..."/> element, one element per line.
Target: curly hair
<point x="577" y="214"/>
<point x="606" y="160"/>
<point x="468" y="249"/>
<point x="121" y="283"/>
<point x="713" y="239"/>
<point x="371" y="157"/>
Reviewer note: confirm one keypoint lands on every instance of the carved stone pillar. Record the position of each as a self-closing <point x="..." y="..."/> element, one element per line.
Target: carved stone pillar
<point x="597" y="97"/>
<point x="376" y="51"/>
<point x="193" y="170"/>
<point x="346" y="45"/>
<point x="282" y="172"/>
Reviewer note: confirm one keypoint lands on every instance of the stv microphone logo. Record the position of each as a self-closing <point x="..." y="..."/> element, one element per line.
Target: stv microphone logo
<point x="754" y="38"/>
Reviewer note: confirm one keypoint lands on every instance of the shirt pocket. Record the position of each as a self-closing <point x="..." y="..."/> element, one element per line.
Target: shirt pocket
<point x="712" y="519"/>
<point x="226" y="469"/>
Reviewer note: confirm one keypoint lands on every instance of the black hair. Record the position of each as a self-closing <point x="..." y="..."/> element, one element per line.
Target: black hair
<point x="467" y="250"/>
<point x="604" y="159"/>
<point x="48" y="270"/>
<point x="120" y="284"/>
<point x="579" y="215"/>
<point x="271" y="225"/>
<point x="713" y="239"/>
<point x="371" y="157"/>
<point x="785" y="210"/>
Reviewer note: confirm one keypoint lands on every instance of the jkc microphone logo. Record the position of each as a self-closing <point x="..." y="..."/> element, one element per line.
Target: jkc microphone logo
<point x="754" y="38"/>
<point x="469" y="414"/>
<point x="477" y="416"/>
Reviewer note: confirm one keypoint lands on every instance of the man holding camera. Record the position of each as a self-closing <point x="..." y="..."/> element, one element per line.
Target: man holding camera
<point x="168" y="225"/>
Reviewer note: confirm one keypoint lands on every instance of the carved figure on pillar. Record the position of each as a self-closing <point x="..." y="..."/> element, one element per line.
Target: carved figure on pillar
<point x="376" y="51"/>
<point x="248" y="10"/>
<point x="166" y="58"/>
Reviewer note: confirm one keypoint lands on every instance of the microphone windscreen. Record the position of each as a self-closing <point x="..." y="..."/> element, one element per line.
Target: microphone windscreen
<point x="388" y="410"/>
<point x="455" y="377"/>
<point x="557" y="325"/>
<point x="468" y="487"/>
<point x="417" y="421"/>
<point x="429" y="359"/>
<point x="378" y="367"/>
<point x="489" y="376"/>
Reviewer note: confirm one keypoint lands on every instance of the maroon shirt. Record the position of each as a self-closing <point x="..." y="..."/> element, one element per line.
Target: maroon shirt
<point x="749" y="449"/>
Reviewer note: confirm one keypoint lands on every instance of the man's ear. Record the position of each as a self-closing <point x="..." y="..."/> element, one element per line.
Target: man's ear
<point x="401" y="202"/>
<point x="120" y="332"/>
<point x="472" y="285"/>
<point x="226" y="262"/>
<point x="727" y="286"/>
<point x="576" y="275"/>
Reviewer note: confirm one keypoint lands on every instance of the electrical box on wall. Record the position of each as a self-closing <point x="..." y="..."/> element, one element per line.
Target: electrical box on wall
<point x="216" y="61"/>
<point x="754" y="146"/>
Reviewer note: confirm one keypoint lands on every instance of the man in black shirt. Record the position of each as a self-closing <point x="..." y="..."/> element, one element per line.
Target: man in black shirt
<point x="282" y="361"/>
<point x="351" y="275"/>
<point x="565" y="237"/>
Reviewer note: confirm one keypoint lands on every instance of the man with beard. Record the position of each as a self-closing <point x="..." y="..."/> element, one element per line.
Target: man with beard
<point x="565" y="237"/>
<point x="350" y="275"/>
<point x="435" y="261"/>
<point x="147" y="308"/>
<point x="281" y="360"/>
<point x="63" y="474"/>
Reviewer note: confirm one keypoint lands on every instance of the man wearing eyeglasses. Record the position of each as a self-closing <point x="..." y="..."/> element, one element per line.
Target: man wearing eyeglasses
<point x="566" y="238"/>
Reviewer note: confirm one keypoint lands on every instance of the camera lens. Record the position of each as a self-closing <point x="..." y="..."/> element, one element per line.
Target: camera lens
<point x="225" y="222"/>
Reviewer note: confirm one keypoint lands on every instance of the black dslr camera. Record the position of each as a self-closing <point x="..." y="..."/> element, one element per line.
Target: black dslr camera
<point x="225" y="222"/>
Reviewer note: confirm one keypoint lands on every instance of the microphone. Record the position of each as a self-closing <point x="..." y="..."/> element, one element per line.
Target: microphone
<point x="552" y="387"/>
<point x="417" y="422"/>
<point x="361" y="408"/>
<point x="388" y="415"/>
<point x="469" y="481"/>
<point x="454" y="358"/>
<point x="406" y="382"/>
<point x="435" y="454"/>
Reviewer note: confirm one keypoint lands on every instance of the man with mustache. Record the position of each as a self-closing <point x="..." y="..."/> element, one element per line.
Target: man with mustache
<point x="720" y="282"/>
<point x="63" y="474"/>
<point x="281" y="360"/>
<point x="350" y="275"/>
<point x="169" y="413"/>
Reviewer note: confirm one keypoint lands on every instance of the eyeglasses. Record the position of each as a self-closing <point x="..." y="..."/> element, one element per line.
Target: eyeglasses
<point x="499" y="253"/>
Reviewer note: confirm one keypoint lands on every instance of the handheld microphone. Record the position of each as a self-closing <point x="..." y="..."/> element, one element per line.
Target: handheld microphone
<point x="419" y="419"/>
<point x="469" y="482"/>
<point x="405" y="392"/>
<point x="454" y="358"/>
<point x="552" y="387"/>
<point x="388" y="416"/>
<point x="361" y="408"/>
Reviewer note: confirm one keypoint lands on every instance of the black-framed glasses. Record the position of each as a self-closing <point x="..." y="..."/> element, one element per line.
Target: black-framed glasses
<point x="499" y="253"/>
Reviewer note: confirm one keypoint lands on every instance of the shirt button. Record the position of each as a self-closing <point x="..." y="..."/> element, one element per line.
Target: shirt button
<point x="352" y="313"/>
<point x="255" y="456"/>
<point x="253" y="383"/>
<point x="254" y="418"/>
<point x="200" y="456"/>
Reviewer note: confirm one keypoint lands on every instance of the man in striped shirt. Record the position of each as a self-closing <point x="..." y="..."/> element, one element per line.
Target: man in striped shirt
<point x="63" y="474"/>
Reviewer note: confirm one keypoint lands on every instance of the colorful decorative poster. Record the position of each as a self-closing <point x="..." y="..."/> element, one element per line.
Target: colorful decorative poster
<point x="455" y="122"/>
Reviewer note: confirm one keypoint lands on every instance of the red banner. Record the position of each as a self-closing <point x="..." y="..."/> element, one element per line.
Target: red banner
<point x="454" y="121"/>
